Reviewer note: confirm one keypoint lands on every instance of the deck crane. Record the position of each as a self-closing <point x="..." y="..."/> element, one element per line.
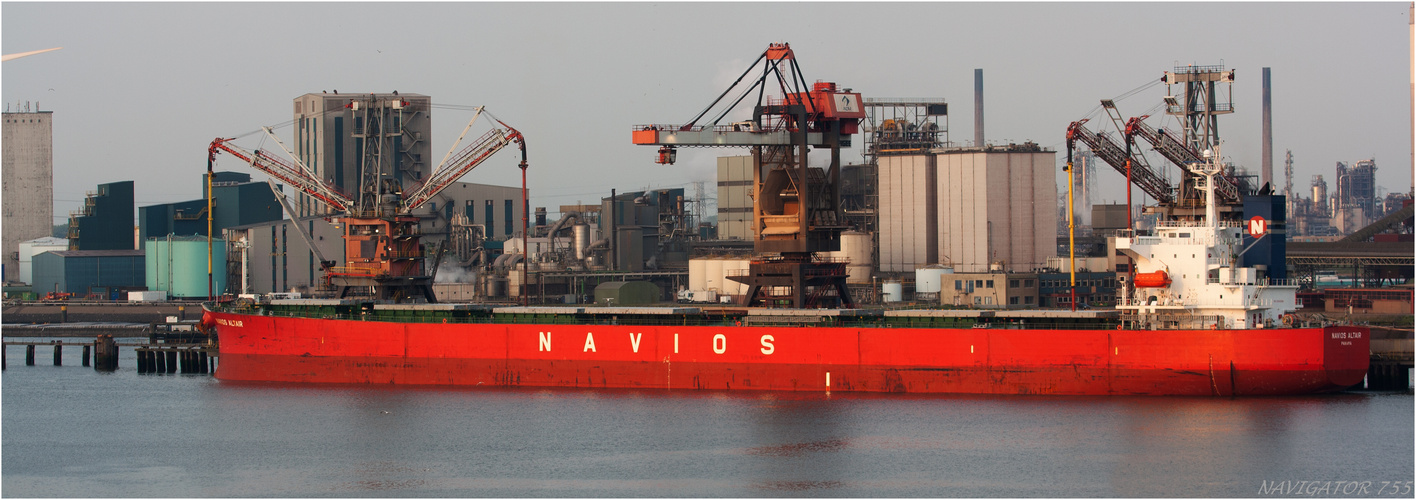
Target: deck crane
<point x="796" y="208"/>
<point x="1175" y="150"/>
<point x="1123" y="160"/>
<point x="383" y="251"/>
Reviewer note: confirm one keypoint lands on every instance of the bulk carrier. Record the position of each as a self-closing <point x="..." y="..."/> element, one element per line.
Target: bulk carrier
<point x="1192" y="321"/>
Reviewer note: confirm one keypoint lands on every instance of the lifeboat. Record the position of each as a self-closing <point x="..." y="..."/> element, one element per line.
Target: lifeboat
<point x="1156" y="279"/>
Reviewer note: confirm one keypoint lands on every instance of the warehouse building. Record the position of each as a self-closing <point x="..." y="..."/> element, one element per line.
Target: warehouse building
<point x="104" y="274"/>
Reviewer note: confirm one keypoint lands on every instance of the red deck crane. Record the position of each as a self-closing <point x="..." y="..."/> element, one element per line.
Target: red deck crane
<point x="383" y="249"/>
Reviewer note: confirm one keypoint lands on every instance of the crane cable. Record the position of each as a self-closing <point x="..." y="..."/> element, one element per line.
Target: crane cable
<point x="1091" y="113"/>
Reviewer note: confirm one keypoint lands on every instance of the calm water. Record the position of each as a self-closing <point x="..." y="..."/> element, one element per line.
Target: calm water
<point x="71" y="432"/>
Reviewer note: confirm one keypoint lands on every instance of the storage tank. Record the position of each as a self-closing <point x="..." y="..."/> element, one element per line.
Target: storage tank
<point x="178" y="265"/>
<point x="713" y="275"/>
<point x="929" y="279"/>
<point x="580" y="237"/>
<point x="856" y="246"/>
<point x="892" y="291"/>
<point x="697" y="274"/>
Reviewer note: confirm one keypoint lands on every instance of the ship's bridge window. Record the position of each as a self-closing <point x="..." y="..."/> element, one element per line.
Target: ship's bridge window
<point x="1184" y="235"/>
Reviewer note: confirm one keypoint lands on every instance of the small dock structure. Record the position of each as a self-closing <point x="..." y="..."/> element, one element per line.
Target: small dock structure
<point x="177" y="347"/>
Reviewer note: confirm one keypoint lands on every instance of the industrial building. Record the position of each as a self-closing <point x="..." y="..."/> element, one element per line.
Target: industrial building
<point x="1327" y="212"/>
<point x="236" y="201"/>
<point x="990" y="290"/>
<point x="1354" y="201"/>
<point x="101" y="274"/>
<point x="332" y="138"/>
<point x="968" y="208"/>
<point x="31" y="248"/>
<point x="28" y="177"/>
<point x="735" y="197"/>
<point x="106" y="220"/>
<point x="272" y="256"/>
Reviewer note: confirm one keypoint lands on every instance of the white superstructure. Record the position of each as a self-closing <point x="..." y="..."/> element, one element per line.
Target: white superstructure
<point x="1187" y="274"/>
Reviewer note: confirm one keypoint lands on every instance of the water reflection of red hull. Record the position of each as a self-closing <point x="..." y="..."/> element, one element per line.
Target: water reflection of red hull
<point x="981" y="361"/>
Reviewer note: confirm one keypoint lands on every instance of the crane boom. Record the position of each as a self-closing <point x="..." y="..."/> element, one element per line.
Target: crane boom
<point x="291" y="174"/>
<point x="1181" y="155"/>
<point x="464" y="161"/>
<point x="300" y="230"/>
<point x="1141" y="174"/>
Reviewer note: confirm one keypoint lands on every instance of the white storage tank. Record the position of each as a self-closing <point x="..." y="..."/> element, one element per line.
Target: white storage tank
<point x="856" y="247"/>
<point x="697" y="274"/>
<point x="930" y="278"/>
<point x="892" y="291"/>
<point x="713" y="271"/>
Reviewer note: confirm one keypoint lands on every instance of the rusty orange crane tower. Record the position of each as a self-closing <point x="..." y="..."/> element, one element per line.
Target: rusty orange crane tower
<point x="796" y="208"/>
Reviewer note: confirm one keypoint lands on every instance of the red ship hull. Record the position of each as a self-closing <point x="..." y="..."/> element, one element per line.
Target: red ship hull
<point x="976" y="361"/>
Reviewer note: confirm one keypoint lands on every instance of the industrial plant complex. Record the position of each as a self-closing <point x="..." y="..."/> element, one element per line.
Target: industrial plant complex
<point x="922" y="219"/>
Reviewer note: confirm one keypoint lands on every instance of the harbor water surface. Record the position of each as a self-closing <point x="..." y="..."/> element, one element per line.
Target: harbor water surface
<point x="72" y="432"/>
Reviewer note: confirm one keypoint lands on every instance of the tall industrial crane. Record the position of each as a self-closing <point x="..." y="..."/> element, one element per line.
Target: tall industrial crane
<point x="383" y="250"/>
<point x="796" y="208"/>
<point x="1199" y="112"/>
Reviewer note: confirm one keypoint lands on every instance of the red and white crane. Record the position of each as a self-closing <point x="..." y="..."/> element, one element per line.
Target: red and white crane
<point x="383" y="250"/>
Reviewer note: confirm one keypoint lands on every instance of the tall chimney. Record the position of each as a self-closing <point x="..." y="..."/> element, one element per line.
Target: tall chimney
<point x="1266" y="177"/>
<point x="978" y="107"/>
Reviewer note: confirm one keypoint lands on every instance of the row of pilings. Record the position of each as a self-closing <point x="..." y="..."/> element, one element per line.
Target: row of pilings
<point x="151" y="358"/>
<point x="174" y="360"/>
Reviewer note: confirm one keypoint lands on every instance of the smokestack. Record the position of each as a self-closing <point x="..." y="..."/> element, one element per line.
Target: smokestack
<point x="1266" y="177"/>
<point x="978" y="107"/>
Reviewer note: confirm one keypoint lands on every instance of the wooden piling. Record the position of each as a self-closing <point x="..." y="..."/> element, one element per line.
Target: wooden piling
<point x="142" y="361"/>
<point x="58" y="355"/>
<point x="29" y="355"/>
<point x="87" y="353"/>
<point x="203" y="366"/>
<point x="171" y="361"/>
<point x="159" y="361"/>
<point x="105" y="353"/>
<point x="2" y="357"/>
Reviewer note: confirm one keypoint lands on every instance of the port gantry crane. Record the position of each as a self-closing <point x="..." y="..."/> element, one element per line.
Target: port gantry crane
<point x="384" y="256"/>
<point x="796" y="208"/>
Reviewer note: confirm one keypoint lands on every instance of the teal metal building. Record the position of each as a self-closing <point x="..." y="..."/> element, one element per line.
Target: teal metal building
<point x="237" y="201"/>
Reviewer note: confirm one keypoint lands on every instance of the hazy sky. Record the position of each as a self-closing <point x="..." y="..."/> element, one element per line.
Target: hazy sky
<point x="141" y="89"/>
